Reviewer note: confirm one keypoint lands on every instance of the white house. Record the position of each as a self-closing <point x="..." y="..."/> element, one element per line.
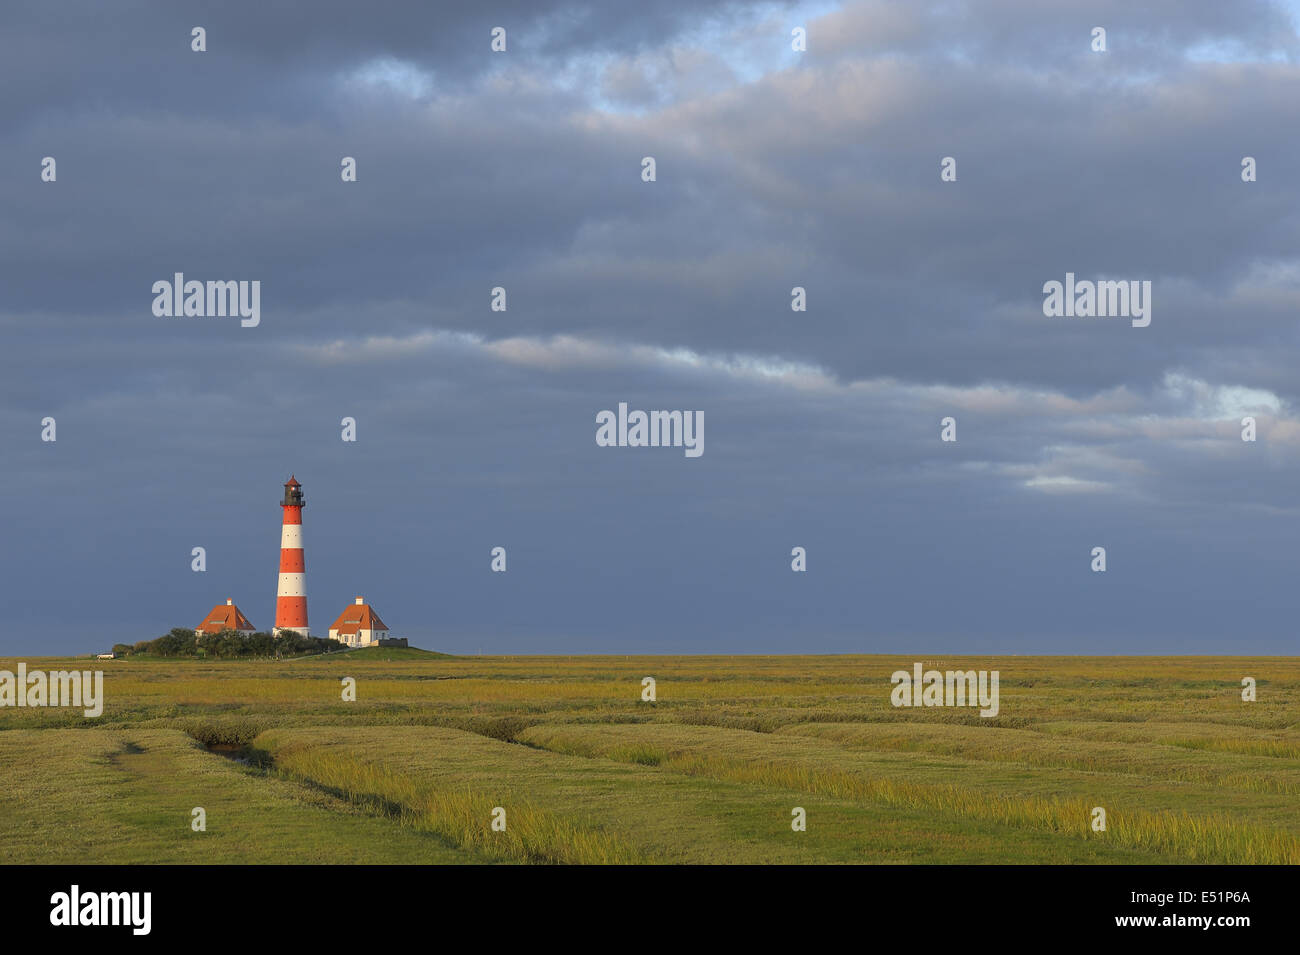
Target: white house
<point x="359" y="626"/>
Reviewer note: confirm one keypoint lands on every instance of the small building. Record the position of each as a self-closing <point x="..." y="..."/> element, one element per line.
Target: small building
<point x="359" y="626"/>
<point x="225" y="617"/>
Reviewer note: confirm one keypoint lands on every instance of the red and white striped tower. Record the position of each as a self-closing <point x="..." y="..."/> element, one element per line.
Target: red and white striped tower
<point x="291" y="598"/>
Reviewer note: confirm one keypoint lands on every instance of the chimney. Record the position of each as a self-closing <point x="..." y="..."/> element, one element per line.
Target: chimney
<point x="361" y="600"/>
<point x="229" y="602"/>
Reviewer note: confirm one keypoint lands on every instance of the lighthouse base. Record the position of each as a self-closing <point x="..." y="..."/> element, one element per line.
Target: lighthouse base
<point x="301" y="631"/>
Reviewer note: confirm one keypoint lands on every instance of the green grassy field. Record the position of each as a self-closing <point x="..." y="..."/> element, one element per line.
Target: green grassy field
<point x="586" y="771"/>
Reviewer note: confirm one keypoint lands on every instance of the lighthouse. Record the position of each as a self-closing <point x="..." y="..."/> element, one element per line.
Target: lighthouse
<point x="291" y="598"/>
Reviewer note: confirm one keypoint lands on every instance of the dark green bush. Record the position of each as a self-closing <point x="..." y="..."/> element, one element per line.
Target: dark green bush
<point x="229" y="644"/>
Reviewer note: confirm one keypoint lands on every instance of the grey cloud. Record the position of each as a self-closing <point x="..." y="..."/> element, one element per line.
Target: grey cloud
<point x="477" y="427"/>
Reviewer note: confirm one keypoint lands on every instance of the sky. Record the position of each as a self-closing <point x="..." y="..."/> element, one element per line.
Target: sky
<point x="774" y="169"/>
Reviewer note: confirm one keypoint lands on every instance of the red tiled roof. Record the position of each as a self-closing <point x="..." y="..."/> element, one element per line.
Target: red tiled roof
<point x="357" y="617"/>
<point x="224" y="617"/>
